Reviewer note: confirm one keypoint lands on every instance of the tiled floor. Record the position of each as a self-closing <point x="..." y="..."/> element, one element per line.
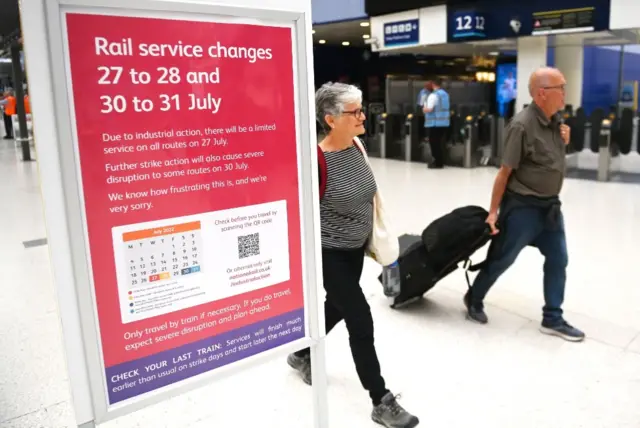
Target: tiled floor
<point x="450" y="372"/>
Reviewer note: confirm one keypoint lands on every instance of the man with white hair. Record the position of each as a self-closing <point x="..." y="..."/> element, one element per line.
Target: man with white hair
<point x="526" y="193"/>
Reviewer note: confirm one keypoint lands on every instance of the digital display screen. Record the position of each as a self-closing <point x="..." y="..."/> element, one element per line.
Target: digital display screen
<point x="506" y="86"/>
<point x="497" y="19"/>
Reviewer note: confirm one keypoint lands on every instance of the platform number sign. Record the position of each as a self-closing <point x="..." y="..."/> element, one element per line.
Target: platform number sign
<point x="469" y="24"/>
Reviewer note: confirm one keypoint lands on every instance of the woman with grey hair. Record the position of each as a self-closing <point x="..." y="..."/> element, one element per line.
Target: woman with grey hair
<point x="346" y="217"/>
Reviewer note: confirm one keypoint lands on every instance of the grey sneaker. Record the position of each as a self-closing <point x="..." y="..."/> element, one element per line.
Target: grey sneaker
<point x="391" y="414"/>
<point x="564" y="330"/>
<point x="302" y="365"/>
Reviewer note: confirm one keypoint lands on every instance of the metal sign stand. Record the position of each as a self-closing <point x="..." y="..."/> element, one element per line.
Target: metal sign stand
<point x="62" y="190"/>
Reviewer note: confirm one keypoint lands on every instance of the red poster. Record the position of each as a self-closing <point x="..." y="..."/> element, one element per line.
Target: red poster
<point x="188" y="157"/>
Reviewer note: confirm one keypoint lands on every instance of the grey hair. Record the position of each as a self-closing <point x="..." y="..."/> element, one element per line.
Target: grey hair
<point x="331" y="98"/>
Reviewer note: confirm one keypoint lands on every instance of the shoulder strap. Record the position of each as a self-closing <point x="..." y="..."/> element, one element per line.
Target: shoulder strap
<point x="360" y="146"/>
<point x="322" y="171"/>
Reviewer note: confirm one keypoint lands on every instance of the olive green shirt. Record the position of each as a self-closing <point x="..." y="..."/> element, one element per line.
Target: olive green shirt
<point x="534" y="149"/>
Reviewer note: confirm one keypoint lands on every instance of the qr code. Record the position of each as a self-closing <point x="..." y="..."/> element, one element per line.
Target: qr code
<point x="249" y="245"/>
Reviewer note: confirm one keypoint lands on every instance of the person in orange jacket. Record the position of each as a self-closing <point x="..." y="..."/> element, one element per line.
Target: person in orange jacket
<point x="9" y="105"/>
<point x="27" y="104"/>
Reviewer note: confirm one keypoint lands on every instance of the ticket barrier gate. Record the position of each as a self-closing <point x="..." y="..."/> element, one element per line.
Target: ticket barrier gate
<point x="635" y="127"/>
<point x="372" y="127"/>
<point x="391" y="139"/>
<point x="413" y="150"/>
<point x="469" y="158"/>
<point x="604" y="151"/>
<point x="486" y="137"/>
<point x="601" y="144"/>
<point x="465" y="153"/>
<point x="373" y="139"/>
<point x="380" y="137"/>
<point x="395" y="133"/>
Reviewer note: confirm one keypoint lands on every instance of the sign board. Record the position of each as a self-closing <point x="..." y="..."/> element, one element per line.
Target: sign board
<point x="563" y="21"/>
<point x="469" y="25"/>
<point x="188" y="188"/>
<point x="402" y="33"/>
<point x="628" y="95"/>
<point x="499" y="19"/>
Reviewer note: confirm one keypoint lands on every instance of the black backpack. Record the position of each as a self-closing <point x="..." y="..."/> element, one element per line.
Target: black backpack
<point x="454" y="238"/>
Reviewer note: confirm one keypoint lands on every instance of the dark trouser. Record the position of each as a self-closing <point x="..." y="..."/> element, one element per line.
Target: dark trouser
<point x="436" y="141"/>
<point x="345" y="300"/>
<point x="8" y="125"/>
<point x="526" y="226"/>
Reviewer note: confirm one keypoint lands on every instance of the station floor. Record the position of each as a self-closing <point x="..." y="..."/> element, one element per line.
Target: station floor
<point x="450" y="372"/>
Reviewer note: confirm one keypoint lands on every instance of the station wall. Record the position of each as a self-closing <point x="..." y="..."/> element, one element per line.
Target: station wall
<point x="602" y="73"/>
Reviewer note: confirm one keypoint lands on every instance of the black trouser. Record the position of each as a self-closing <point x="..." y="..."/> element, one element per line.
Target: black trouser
<point x="8" y="125"/>
<point x="345" y="300"/>
<point x="436" y="141"/>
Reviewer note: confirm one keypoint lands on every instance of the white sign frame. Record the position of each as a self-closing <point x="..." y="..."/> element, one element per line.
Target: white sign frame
<point x="45" y="40"/>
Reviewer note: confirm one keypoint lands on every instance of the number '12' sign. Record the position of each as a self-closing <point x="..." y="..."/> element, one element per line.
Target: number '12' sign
<point x="470" y="23"/>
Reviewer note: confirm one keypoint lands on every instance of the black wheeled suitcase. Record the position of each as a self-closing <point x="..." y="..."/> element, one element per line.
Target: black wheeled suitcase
<point x="426" y="259"/>
<point x="416" y="274"/>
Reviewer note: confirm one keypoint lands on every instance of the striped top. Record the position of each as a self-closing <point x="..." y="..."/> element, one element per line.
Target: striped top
<point x="346" y="210"/>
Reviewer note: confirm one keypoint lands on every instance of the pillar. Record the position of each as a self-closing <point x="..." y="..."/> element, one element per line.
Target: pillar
<point x="18" y="80"/>
<point x="532" y="54"/>
<point x="569" y="59"/>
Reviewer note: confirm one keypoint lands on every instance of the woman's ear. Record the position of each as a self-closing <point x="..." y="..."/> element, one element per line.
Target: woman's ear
<point x="330" y="121"/>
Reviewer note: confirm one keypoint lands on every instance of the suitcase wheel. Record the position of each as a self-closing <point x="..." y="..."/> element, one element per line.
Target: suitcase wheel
<point x="404" y="303"/>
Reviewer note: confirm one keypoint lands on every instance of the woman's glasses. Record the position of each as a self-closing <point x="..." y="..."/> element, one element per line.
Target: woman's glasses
<point x="356" y="113"/>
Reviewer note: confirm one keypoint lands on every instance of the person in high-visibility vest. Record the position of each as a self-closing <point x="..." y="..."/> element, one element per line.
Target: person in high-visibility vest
<point x="437" y="118"/>
<point x="8" y="103"/>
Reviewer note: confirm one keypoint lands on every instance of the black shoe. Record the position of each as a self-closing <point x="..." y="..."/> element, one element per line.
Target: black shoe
<point x="475" y="312"/>
<point x="302" y="365"/>
<point x="390" y="414"/>
<point x="563" y="330"/>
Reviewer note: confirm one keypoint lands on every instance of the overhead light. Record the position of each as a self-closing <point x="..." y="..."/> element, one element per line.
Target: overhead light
<point x="483" y="76"/>
<point x="345" y="43"/>
<point x="313" y="31"/>
<point x="365" y="36"/>
<point x="422" y="61"/>
<point x="494" y="53"/>
<point x="322" y="42"/>
<point x="365" y="24"/>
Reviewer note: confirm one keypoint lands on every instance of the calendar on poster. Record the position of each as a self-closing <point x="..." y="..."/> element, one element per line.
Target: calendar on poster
<point x="168" y="265"/>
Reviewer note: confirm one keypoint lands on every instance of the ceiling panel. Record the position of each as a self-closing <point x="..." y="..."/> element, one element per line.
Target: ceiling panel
<point x="338" y="32"/>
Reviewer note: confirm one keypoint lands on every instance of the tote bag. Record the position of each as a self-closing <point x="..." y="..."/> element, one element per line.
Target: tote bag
<point x="383" y="245"/>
